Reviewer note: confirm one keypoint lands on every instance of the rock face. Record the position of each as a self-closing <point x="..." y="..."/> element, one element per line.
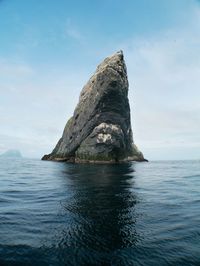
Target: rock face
<point x="100" y="129"/>
<point x="11" y="154"/>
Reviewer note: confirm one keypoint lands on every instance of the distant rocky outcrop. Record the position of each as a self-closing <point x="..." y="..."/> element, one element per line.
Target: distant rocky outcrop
<point x="100" y="129"/>
<point x="11" y="154"/>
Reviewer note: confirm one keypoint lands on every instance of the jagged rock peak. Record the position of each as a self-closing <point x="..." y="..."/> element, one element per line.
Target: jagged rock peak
<point x="100" y="128"/>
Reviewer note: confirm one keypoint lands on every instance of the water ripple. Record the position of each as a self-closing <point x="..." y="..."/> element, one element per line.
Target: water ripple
<point x="132" y="214"/>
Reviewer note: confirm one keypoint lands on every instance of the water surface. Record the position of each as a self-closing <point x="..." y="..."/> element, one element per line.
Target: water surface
<point x="132" y="214"/>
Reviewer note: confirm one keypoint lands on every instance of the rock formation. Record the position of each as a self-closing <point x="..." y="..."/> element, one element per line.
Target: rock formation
<point x="100" y="129"/>
<point x="15" y="154"/>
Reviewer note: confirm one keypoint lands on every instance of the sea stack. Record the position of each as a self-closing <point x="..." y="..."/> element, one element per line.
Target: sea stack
<point x="11" y="154"/>
<point x="100" y="128"/>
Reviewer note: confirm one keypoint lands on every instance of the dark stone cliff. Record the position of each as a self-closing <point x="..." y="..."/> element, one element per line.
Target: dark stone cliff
<point x="100" y="129"/>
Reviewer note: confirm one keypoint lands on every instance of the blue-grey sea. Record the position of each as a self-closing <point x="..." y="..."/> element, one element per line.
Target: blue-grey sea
<point x="72" y="214"/>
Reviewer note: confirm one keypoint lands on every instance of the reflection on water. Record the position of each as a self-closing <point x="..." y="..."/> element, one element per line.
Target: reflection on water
<point x="131" y="214"/>
<point x="102" y="212"/>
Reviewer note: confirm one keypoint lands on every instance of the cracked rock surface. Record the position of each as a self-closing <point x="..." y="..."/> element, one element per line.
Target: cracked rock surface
<point x="100" y="129"/>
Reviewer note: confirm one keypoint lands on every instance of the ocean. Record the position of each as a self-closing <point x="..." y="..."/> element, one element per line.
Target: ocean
<point x="75" y="214"/>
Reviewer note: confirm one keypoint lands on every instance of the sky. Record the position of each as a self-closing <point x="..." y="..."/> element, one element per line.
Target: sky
<point x="49" y="49"/>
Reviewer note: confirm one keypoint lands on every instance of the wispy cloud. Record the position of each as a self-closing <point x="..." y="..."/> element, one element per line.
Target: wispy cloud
<point x="73" y="32"/>
<point x="34" y="108"/>
<point x="14" y="69"/>
<point x="164" y="75"/>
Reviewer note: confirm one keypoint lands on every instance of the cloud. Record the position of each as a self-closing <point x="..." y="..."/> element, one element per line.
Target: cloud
<point x="164" y="77"/>
<point x="72" y="31"/>
<point x="33" y="107"/>
<point x="14" y="69"/>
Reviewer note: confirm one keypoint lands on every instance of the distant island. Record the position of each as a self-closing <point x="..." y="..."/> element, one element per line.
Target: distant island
<point x="11" y="154"/>
<point x="100" y="129"/>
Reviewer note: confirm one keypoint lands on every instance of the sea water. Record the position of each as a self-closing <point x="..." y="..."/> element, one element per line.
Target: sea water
<point x="75" y="214"/>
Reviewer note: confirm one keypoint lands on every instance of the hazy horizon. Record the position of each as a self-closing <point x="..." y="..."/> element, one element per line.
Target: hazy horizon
<point x="50" y="50"/>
